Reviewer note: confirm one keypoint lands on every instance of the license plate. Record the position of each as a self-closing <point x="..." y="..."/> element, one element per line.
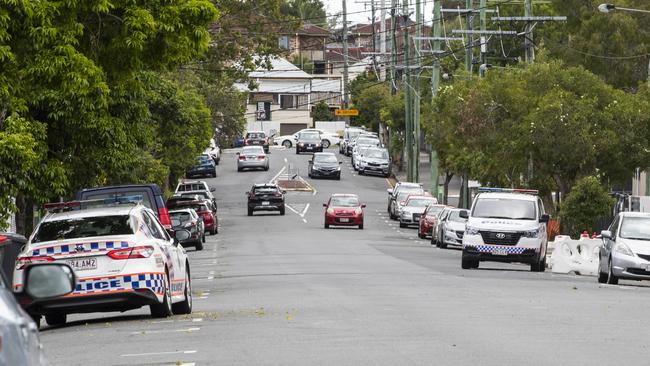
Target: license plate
<point x="309" y="148"/>
<point x="266" y="203"/>
<point x="500" y="252"/>
<point x="83" y="264"/>
<point x="344" y="220"/>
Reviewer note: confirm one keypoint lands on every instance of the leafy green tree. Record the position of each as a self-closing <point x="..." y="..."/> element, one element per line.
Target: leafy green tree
<point x="369" y="103"/>
<point x="321" y="112"/>
<point x="312" y="11"/>
<point x="303" y="63"/>
<point x="586" y="203"/>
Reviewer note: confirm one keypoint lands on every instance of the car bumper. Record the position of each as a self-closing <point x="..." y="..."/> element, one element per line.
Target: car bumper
<point x="410" y="221"/>
<point x="523" y="252"/>
<point x="101" y="302"/>
<point x="199" y="173"/>
<point x="325" y="173"/>
<point x="251" y="164"/>
<point x="272" y="206"/>
<point x="344" y="220"/>
<point x="426" y="229"/>
<point x="367" y="169"/>
<point x="629" y="267"/>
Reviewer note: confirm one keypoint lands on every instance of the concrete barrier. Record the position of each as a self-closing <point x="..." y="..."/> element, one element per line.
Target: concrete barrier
<point x="578" y="256"/>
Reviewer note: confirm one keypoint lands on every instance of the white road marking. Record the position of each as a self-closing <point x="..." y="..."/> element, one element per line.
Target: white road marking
<point x="302" y="214"/>
<point x="303" y="220"/>
<point x="185" y="330"/>
<point x="292" y="209"/>
<point x="158" y="353"/>
<point x="280" y="172"/>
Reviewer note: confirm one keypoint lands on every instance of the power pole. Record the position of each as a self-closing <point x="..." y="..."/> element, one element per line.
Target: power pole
<point x="408" y="102"/>
<point x="483" y="28"/>
<point x="435" y="82"/>
<point x="393" y="48"/>
<point x="345" y="57"/>
<point x="528" y="37"/>
<point x="382" y="42"/>
<point x="469" y="20"/>
<point x="416" y="99"/>
<point x="374" y="41"/>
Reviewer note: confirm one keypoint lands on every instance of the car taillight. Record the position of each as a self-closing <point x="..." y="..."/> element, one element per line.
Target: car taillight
<point x="129" y="253"/>
<point x="242" y="157"/>
<point x="277" y="194"/>
<point x="2" y="238"/>
<point x="261" y="156"/>
<point x="23" y="262"/>
<point x="247" y="142"/>
<point x="163" y="216"/>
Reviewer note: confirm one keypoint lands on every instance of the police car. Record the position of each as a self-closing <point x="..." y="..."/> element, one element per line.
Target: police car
<point x="121" y="255"/>
<point x="505" y="225"/>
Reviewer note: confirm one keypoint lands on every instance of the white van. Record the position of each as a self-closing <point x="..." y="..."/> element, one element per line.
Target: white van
<point x="505" y="225"/>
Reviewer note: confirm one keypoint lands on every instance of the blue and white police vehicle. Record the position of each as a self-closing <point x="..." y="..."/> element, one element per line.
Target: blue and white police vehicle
<point x="121" y="255"/>
<point x="505" y="225"/>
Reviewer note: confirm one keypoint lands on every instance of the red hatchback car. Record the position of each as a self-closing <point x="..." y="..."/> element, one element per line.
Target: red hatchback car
<point x="429" y="220"/>
<point x="344" y="210"/>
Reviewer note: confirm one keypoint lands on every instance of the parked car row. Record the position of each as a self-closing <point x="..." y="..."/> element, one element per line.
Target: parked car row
<point x="366" y="152"/>
<point x="327" y="139"/>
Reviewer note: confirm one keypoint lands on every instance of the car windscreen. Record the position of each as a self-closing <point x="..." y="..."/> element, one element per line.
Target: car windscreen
<point x="403" y="195"/>
<point x="252" y="150"/>
<point x="366" y="141"/>
<point x="455" y="216"/>
<point x="344" y="201"/>
<point x="203" y="160"/>
<point x="377" y="154"/>
<point x="504" y="208"/>
<point x="200" y="194"/>
<point x="265" y="190"/>
<point x="353" y="134"/>
<point x="434" y="210"/>
<point x="255" y="135"/>
<point x="191" y="187"/>
<point x="309" y="136"/>
<point x="325" y="158"/>
<point x="196" y="207"/>
<point x="83" y="227"/>
<point x="419" y="202"/>
<point x="183" y="217"/>
<point x="637" y="228"/>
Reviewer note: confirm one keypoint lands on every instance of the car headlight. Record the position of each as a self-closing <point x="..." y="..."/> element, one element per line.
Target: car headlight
<point x="317" y="145"/>
<point x="301" y="144"/>
<point x="531" y="233"/>
<point x="623" y="249"/>
<point x="330" y="210"/>
<point x="471" y="230"/>
<point x="358" y="211"/>
<point x="338" y="168"/>
<point x="450" y="234"/>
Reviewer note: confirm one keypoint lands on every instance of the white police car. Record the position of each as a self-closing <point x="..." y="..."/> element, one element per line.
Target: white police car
<point x="505" y="225"/>
<point x="121" y="255"/>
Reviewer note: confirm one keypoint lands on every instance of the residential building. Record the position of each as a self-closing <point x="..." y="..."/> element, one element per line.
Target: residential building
<point x="309" y="43"/>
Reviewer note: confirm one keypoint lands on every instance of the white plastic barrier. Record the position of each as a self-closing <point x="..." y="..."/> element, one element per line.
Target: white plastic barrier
<point x="578" y="256"/>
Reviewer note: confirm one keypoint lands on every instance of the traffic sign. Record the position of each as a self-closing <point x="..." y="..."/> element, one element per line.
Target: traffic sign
<point x="347" y="112"/>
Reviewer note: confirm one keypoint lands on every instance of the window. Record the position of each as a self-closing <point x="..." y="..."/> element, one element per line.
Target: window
<point x="288" y="102"/>
<point x="84" y="227"/>
<point x="153" y="229"/>
<point x="283" y="42"/>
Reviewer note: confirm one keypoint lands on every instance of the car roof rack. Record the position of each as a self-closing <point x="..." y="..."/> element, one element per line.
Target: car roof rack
<point x="507" y="190"/>
<point x="94" y="203"/>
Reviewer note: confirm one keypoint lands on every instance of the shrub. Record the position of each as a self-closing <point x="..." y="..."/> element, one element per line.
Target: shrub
<point x="585" y="204"/>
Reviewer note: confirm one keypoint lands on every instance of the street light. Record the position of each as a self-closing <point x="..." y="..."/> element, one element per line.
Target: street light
<point x="608" y="8"/>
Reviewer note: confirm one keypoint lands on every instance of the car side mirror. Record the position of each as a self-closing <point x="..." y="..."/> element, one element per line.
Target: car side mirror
<point x="200" y="219"/>
<point x="44" y="281"/>
<point x="363" y="206"/>
<point x="238" y="154"/>
<point x="545" y="218"/>
<point x="464" y="214"/>
<point x="176" y="222"/>
<point x="324" y="204"/>
<point x="340" y="162"/>
<point x="606" y="234"/>
<point x="212" y="189"/>
<point x="389" y="190"/>
<point x="181" y="234"/>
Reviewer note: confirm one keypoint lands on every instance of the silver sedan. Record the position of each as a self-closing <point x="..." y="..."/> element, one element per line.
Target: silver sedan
<point x="252" y="157"/>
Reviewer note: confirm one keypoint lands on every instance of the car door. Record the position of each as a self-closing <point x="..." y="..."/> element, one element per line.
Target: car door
<point x="169" y="247"/>
<point x="608" y="244"/>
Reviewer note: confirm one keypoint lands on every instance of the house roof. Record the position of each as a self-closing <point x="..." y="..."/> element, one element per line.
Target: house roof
<point x="281" y="68"/>
<point x="313" y="29"/>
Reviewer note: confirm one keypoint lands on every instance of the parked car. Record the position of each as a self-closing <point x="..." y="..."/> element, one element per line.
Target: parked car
<point x="238" y="141"/>
<point x="257" y="138"/>
<point x="152" y="197"/>
<point x="344" y="210"/>
<point x="363" y="140"/>
<point x="289" y="141"/>
<point x="357" y="153"/>
<point x="197" y="187"/>
<point x="18" y="328"/>
<point x="401" y="187"/>
<point x="309" y="141"/>
<point x="413" y="208"/>
<point x="375" y="161"/>
<point x="625" y="253"/>
<point x="10" y="246"/>
<point x="349" y="134"/>
<point x="203" y="208"/>
<point x="451" y="228"/>
<point x="442" y="215"/>
<point x="505" y="225"/>
<point x="188" y="219"/>
<point x="265" y="197"/>
<point x="203" y="166"/>
<point x="429" y="220"/>
<point x="324" y="165"/>
<point x="123" y="258"/>
<point x="214" y="152"/>
<point x="252" y="157"/>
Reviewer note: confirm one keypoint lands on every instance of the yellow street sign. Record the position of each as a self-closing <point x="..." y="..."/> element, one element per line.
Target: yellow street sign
<point x="347" y="112"/>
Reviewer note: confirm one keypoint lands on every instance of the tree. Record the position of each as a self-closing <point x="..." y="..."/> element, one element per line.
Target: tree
<point x="303" y="63"/>
<point x="586" y="203"/>
<point x="321" y="112"/>
<point x="312" y="11"/>
<point x="369" y="102"/>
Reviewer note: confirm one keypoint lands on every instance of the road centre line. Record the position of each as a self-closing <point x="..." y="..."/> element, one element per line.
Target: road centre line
<point x="186" y="330"/>
<point x="158" y="353"/>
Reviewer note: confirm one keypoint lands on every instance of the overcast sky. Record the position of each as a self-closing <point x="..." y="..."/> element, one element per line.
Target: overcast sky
<point x="359" y="10"/>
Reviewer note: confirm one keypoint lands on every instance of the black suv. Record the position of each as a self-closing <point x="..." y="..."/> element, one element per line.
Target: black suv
<point x="257" y="138"/>
<point x="265" y="197"/>
<point x="309" y="141"/>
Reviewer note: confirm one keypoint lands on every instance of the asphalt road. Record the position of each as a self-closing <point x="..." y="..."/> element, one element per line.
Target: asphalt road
<point x="282" y="290"/>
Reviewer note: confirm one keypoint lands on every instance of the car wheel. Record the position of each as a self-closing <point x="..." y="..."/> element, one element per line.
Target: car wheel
<point x="602" y="277"/>
<point x="338" y="176"/>
<point x="282" y="211"/>
<point x="55" y="319"/>
<point x="250" y="212"/>
<point x="185" y="306"/>
<point x="361" y="226"/>
<point x="297" y="151"/>
<point x="326" y="144"/>
<point x="611" y="278"/>
<point x="36" y="318"/>
<point x="326" y="225"/>
<point x="198" y="245"/>
<point x="238" y="169"/>
<point x="539" y="265"/>
<point x="401" y="224"/>
<point x="287" y="144"/>
<point x="441" y="244"/>
<point x="466" y="263"/>
<point x="203" y="238"/>
<point x="164" y="309"/>
<point x="266" y="168"/>
<point x="361" y="172"/>
<point x="214" y="175"/>
<point x="421" y="236"/>
<point x="215" y="230"/>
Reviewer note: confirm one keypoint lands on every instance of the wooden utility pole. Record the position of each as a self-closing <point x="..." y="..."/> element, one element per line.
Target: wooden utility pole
<point x="528" y="37"/>
<point x="408" y="100"/>
<point x="393" y="48"/>
<point x="345" y="56"/>
<point x="415" y="83"/>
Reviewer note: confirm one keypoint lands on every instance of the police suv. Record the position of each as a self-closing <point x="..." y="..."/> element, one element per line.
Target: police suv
<point x="121" y="255"/>
<point x="505" y="225"/>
